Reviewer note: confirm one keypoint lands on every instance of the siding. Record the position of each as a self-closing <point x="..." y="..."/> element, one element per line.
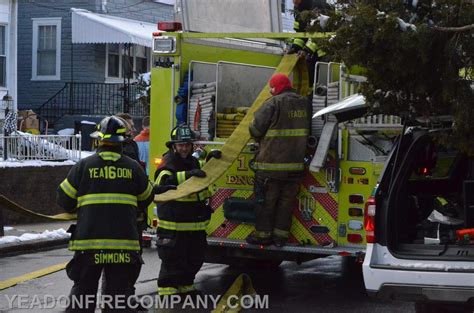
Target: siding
<point x="88" y="60"/>
<point x="145" y="11"/>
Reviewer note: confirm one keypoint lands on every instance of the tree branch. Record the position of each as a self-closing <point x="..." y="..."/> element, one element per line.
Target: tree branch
<point x="454" y="29"/>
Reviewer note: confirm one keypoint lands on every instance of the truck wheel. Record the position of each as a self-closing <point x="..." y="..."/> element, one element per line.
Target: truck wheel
<point x="352" y="267"/>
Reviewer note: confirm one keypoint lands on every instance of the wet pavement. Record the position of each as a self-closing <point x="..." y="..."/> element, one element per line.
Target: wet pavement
<point x="331" y="284"/>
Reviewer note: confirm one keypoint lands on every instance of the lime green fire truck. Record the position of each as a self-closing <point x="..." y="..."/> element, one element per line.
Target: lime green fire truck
<point x="222" y="75"/>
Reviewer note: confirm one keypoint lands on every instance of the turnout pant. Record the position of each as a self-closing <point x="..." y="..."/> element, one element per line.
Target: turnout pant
<point x="275" y="202"/>
<point x="181" y="259"/>
<point x="120" y="279"/>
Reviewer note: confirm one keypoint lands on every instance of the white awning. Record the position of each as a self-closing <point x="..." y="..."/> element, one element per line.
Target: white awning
<point x="88" y="27"/>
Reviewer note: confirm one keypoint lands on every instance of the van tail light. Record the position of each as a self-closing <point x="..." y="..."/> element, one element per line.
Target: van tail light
<point x="369" y="220"/>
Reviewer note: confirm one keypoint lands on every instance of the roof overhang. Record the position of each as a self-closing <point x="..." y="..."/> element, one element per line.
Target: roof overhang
<point x="94" y="28"/>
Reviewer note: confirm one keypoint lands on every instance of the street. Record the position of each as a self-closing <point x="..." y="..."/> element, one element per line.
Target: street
<point x="330" y="284"/>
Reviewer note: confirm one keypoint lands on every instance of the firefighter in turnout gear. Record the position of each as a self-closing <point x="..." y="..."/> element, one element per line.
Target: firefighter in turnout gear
<point x="107" y="190"/>
<point x="281" y="127"/>
<point x="304" y="47"/>
<point x="181" y="223"/>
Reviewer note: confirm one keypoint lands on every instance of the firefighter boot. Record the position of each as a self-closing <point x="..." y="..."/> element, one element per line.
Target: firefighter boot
<point x="259" y="238"/>
<point x="279" y="241"/>
<point x="280" y="237"/>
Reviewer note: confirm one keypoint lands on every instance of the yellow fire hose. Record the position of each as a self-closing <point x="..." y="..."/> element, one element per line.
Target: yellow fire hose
<point x="15" y="207"/>
<point x="239" y="138"/>
<point x="242" y="286"/>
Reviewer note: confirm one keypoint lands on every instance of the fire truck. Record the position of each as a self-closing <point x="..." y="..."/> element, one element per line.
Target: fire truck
<point x="220" y="75"/>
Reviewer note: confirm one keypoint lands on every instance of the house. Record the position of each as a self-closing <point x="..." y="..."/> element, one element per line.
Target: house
<point x="8" y="51"/>
<point x="83" y="56"/>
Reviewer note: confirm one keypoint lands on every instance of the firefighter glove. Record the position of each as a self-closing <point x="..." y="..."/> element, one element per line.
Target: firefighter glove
<point x="294" y="49"/>
<point x="214" y="154"/>
<point x="196" y="172"/>
<point x="157" y="189"/>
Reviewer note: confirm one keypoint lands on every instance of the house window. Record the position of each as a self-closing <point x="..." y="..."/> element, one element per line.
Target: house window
<point x="46" y="49"/>
<point x="113" y="58"/>
<point x="3" y="56"/>
<point x="141" y="59"/>
<point x="126" y="61"/>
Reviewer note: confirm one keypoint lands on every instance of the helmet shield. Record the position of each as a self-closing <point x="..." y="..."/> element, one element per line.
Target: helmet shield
<point x="181" y="134"/>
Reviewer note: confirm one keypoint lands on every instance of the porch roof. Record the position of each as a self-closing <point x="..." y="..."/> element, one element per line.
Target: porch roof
<point x="88" y="27"/>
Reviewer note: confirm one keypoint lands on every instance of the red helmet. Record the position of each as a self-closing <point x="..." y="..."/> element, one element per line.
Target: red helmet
<point x="280" y="82"/>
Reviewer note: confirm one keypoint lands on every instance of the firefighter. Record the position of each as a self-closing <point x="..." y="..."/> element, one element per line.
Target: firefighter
<point x="129" y="146"/>
<point x="181" y="223"/>
<point x="305" y="47"/>
<point x="281" y="127"/>
<point x="107" y="190"/>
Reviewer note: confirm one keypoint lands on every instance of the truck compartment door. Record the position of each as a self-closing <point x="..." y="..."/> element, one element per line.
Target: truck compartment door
<point x="322" y="150"/>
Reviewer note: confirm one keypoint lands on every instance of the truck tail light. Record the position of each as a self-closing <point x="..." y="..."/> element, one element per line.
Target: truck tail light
<point x="354" y="211"/>
<point x="369" y="220"/>
<point x="354" y="238"/>
<point x="356" y="199"/>
<point x="170" y="26"/>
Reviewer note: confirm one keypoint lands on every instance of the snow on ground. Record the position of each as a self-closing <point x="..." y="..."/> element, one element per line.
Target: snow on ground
<point x="7" y="228"/>
<point x="46" y="235"/>
<point x="66" y="132"/>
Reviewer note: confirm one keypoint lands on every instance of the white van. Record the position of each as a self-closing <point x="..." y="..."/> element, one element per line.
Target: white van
<point x="420" y="225"/>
